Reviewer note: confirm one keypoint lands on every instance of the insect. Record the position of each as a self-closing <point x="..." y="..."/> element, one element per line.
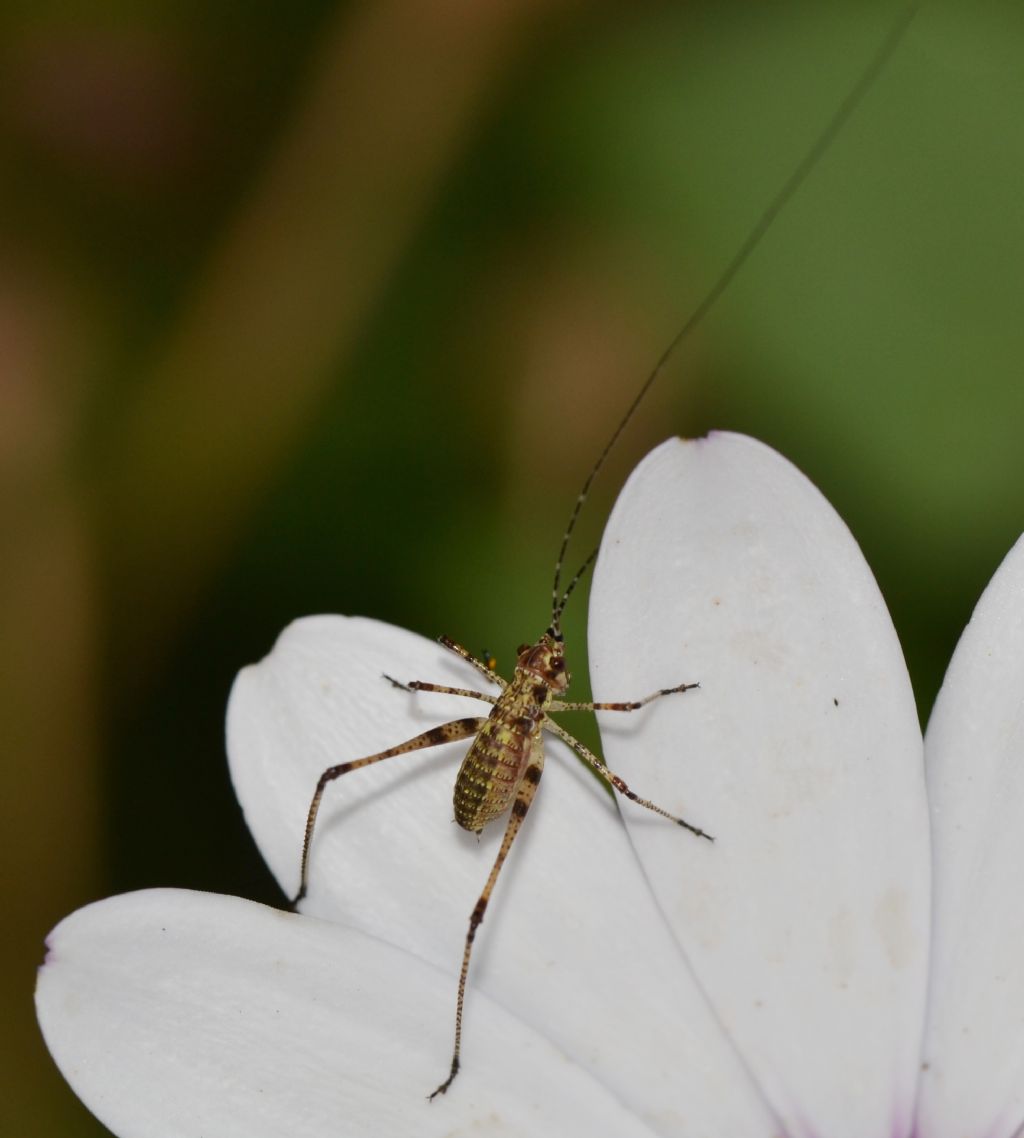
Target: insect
<point x="502" y="767"/>
<point x="505" y="760"/>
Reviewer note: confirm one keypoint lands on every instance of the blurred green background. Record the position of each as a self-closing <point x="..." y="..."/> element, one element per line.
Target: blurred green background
<point x="320" y="307"/>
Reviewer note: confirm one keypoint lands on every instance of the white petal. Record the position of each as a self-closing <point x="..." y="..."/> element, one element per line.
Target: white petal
<point x="807" y="920"/>
<point x="974" y="1047"/>
<point x="174" y="1013"/>
<point x="572" y="944"/>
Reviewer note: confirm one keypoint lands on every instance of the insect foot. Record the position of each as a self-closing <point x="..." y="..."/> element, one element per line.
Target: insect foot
<point x="443" y="1088"/>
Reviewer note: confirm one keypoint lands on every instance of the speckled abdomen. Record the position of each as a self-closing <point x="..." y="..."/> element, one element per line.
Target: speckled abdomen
<point x="494" y="764"/>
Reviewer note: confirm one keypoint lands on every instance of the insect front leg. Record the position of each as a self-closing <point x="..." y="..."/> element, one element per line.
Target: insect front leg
<point x="445" y="733"/>
<point x="524" y="796"/>
<point x="490" y="673"/>
<point x="423" y="685"/>
<point x="619" y="784"/>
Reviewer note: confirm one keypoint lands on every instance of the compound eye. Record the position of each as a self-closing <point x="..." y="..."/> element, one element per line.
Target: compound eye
<point x="558" y="663"/>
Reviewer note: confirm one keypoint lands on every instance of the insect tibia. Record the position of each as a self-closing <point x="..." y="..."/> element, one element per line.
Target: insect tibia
<point x="624" y="790"/>
<point x="620" y="705"/>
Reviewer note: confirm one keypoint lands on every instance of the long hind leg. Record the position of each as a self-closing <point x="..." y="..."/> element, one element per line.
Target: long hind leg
<point x="445" y="733"/>
<point x="524" y="796"/>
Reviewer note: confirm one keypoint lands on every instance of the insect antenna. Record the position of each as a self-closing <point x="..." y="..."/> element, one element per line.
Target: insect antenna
<point x="558" y="608"/>
<point x="815" y="152"/>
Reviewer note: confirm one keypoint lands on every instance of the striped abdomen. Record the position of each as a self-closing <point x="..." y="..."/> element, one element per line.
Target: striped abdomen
<point x="495" y="762"/>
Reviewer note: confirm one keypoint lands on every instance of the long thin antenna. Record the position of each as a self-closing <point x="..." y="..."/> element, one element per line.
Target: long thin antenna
<point x="559" y="608"/>
<point x="778" y="203"/>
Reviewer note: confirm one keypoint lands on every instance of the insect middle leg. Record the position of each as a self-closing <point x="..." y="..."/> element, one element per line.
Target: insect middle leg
<point x="444" y="733"/>
<point x="422" y="685"/>
<point x="629" y="705"/>
<point x="618" y="783"/>
<point x="524" y="796"/>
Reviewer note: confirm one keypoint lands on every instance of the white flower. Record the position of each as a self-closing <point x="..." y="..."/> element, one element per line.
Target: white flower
<point x="627" y="980"/>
